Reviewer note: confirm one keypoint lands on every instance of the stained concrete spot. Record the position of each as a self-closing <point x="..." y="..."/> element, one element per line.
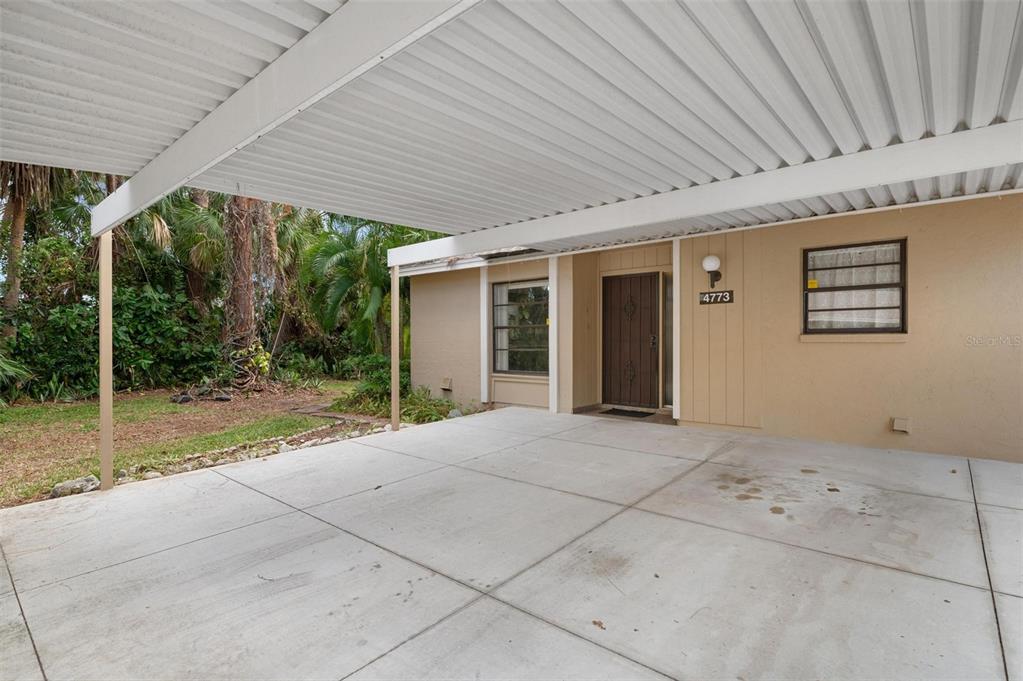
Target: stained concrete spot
<point x="808" y="471"/>
<point x="834" y="489"/>
<point x="777" y="510"/>
<point x="741" y="481"/>
<point x="746" y="497"/>
<point x="753" y="490"/>
<point x="599" y="624"/>
<point x="953" y="471"/>
<point x="723" y="486"/>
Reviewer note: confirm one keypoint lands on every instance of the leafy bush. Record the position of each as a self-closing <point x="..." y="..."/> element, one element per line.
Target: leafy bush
<point x="55" y="271"/>
<point x="159" y="339"/>
<point x="12" y="374"/>
<point x="292" y="360"/>
<point x="372" y="395"/>
<point x="418" y="406"/>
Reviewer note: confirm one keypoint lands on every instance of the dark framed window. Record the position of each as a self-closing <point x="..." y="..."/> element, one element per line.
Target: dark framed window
<point x="860" y="288"/>
<point x="520" y="327"/>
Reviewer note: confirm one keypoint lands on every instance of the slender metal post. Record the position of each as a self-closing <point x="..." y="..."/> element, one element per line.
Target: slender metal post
<point x="552" y="334"/>
<point x="395" y="350"/>
<point x="106" y="362"/>
<point x="676" y="329"/>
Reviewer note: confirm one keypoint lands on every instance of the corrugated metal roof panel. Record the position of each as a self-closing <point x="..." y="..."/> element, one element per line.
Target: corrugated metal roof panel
<point x="521" y="110"/>
<point x="106" y="86"/>
<point x="517" y="111"/>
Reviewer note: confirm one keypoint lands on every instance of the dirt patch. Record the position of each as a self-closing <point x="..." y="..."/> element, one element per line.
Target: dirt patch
<point x="31" y="450"/>
<point x="777" y="510"/>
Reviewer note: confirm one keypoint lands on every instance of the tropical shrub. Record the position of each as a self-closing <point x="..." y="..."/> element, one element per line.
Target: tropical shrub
<point x="159" y="339"/>
<point x="12" y="374"/>
<point x="372" y="395"/>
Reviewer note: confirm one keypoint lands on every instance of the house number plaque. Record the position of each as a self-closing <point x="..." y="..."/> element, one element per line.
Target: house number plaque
<point x="716" y="297"/>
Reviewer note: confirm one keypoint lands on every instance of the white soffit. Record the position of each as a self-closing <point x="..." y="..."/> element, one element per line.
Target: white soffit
<point x="105" y="86"/>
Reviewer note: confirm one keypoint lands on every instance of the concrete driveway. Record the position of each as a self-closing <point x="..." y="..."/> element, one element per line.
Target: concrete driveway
<point x="516" y="544"/>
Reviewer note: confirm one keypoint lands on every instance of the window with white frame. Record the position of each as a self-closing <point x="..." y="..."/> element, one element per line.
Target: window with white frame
<point x="520" y="327"/>
<point x="860" y="288"/>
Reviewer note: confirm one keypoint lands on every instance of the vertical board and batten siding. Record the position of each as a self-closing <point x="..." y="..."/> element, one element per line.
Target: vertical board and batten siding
<point x="656" y="257"/>
<point x="721" y="350"/>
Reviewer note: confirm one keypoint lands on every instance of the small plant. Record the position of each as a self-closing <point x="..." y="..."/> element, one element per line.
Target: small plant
<point x="12" y="374"/>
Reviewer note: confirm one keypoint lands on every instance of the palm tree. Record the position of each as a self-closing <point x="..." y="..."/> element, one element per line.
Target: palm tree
<point x="296" y="230"/>
<point x="240" y="323"/>
<point x="20" y="185"/>
<point x="348" y="266"/>
<point x="199" y="243"/>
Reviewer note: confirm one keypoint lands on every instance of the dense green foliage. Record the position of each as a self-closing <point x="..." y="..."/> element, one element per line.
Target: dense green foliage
<point x="321" y="294"/>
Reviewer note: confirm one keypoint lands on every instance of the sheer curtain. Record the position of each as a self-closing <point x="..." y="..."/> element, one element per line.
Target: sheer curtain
<point x="835" y="278"/>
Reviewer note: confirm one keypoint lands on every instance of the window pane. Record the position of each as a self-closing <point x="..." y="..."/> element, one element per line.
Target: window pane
<point x="856" y="255"/>
<point x="527" y="360"/>
<point x="855" y="319"/>
<point x="875" y="297"/>
<point x="531" y="294"/>
<point x="526" y="315"/>
<point x="521" y="360"/>
<point x="534" y="337"/>
<point x="520" y="326"/>
<point x="856" y="276"/>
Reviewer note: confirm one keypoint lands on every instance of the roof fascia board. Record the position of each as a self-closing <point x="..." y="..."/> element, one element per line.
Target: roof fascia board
<point x="976" y="149"/>
<point x="470" y="263"/>
<point x="357" y="37"/>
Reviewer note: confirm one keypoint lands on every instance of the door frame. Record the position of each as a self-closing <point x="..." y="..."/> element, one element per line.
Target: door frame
<point x="660" y="272"/>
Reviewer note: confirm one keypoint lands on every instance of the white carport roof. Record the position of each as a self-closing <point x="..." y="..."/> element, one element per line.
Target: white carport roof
<point x="552" y="125"/>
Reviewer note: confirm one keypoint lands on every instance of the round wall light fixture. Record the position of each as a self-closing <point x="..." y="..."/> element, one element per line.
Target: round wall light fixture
<point x="712" y="266"/>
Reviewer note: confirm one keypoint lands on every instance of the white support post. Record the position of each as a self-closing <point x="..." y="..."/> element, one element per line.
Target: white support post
<point x="484" y="335"/>
<point x="676" y="329"/>
<point x="106" y="362"/>
<point x="552" y="333"/>
<point x="395" y="350"/>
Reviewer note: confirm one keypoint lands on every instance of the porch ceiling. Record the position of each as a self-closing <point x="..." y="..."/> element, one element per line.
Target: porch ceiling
<point x="511" y="111"/>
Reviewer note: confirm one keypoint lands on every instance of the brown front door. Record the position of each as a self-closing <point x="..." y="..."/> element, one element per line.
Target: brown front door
<point x="630" y="343"/>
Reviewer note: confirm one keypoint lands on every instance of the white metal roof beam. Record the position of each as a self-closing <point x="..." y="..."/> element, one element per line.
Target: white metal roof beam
<point x="347" y="44"/>
<point x="964" y="151"/>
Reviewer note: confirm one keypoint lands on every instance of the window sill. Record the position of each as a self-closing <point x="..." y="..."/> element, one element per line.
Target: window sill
<point x="853" y="337"/>
<point x="519" y="378"/>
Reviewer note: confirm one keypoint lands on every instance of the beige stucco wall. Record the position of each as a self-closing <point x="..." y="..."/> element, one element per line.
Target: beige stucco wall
<point x="747" y="363"/>
<point x="446" y="333"/>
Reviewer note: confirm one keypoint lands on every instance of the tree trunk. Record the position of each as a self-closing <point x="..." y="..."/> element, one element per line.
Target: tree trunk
<point x="195" y="281"/>
<point x="14" y="213"/>
<point x="200" y="197"/>
<point x="240" y="327"/>
<point x="266" y="229"/>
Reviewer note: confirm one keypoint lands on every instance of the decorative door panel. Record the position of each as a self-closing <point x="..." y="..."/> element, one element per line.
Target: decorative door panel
<point x="631" y="314"/>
